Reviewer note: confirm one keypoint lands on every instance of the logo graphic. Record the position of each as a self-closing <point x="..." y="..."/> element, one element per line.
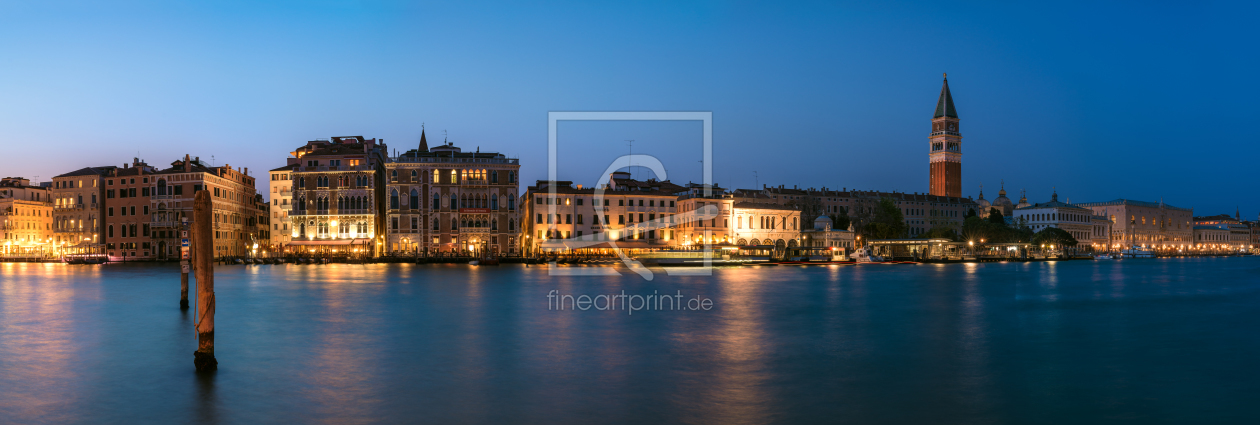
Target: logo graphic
<point x="624" y="161"/>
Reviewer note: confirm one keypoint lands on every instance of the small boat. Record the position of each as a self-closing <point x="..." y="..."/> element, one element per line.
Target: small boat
<point x="1104" y="257"/>
<point x="473" y="263"/>
<point x="86" y="259"/>
<point x="863" y="255"/>
<point x="1137" y="252"/>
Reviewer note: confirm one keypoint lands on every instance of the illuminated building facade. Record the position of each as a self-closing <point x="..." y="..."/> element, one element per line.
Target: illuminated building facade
<point x="78" y="210"/>
<point x="1153" y="225"/>
<point x="617" y="216"/>
<point x="26" y="217"/>
<point x="338" y="196"/>
<point x="445" y="201"/>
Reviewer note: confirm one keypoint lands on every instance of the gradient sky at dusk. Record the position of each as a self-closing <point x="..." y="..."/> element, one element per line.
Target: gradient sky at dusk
<point x="1142" y="100"/>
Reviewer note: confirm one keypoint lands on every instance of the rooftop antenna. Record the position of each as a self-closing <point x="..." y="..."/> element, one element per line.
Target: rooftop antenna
<point x="756" y="180"/>
<point x="630" y="159"/>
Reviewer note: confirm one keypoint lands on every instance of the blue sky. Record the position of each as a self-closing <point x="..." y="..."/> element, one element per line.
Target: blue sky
<point x="1138" y="100"/>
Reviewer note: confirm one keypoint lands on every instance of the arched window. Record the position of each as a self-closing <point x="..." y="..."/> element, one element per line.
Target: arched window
<point x="111" y="230"/>
<point x="494" y="203"/>
<point x="302" y="182"/>
<point x="454" y="203"/>
<point x="161" y="186"/>
<point x="415" y="198"/>
<point x="393" y="197"/>
<point x="494" y="224"/>
<point x="436" y="176"/>
<point x="454" y="223"/>
<point x="414" y="175"/>
<point x="511" y="224"/>
<point x="341" y="203"/>
<point x="436" y="201"/>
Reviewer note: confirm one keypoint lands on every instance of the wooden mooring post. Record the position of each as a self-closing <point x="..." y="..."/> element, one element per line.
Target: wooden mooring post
<point x="203" y="241"/>
<point x="185" y="263"/>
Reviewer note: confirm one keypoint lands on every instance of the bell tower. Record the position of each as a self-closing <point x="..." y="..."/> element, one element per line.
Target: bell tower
<point x="945" y="142"/>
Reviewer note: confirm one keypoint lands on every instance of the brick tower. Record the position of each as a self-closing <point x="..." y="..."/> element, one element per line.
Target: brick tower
<point x="945" y="156"/>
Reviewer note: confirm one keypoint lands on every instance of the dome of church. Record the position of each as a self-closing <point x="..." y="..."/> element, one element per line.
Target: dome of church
<point x="983" y="203"/>
<point x="1023" y="200"/>
<point x="1002" y="203"/>
<point x="822" y="223"/>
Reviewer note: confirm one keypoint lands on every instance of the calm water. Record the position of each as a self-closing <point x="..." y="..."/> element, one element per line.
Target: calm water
<point x="1137" y="341"/>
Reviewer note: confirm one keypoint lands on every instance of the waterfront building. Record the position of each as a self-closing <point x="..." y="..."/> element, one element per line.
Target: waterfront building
<point x="824" y="236"/>
<point x="1100" y="238"/>
<point x="172" y="191"/>
<point x="696" y="231"/>
<point x="1221" y="233"/>
<point x="261" y="234"/>
<point x="338" y="192"/>
<point x="945" y="148"/>
<point x="921" y="211"/>
<point x="78" y="210"/>
<point x="1154" y="225"/>
<point x="1088" y="228"/>
<point x="127" y="218"/>
<point x="624" y="203"/>
<point x="1254" y="226"/>
<point x="445" y="201"/>
<point x="26" y="217"/>
<point x="769" y="224"/>
<point x="281" y="190"/>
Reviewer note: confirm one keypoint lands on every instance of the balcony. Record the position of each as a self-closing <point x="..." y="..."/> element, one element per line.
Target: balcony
<point x="336" y="168"/>
<point x="68" y="207"/>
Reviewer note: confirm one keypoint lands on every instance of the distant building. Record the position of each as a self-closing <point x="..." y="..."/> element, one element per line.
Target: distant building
<point x="26" y="217"/>
<point x="1221" y="233"/>
<point x="1146" y="224"/>
<point x="921" y="211"/>
<point x="1001" y="203"/>
<point x="616" y="215"/>
<point x="823" y="235"/>
<point x="1088" y="228"/>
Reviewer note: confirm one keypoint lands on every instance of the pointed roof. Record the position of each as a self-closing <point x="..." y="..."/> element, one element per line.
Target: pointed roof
<point x="424" y="144"/>
<point x="945" y="105"/>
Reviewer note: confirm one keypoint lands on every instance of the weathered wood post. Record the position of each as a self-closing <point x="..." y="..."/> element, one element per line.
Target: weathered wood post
<point x="203" y="240"/>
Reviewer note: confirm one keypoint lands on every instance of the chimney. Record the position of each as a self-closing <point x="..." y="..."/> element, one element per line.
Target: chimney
<point x="187" y="166"/>
<point x="247" y="171"/>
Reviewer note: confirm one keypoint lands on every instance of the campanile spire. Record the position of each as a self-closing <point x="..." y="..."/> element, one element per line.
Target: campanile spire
<point x="945" y="147"/>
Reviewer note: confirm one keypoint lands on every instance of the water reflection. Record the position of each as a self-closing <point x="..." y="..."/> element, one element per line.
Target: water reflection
<point x="738" y="353"/>
<point x="1145" y="341"/>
